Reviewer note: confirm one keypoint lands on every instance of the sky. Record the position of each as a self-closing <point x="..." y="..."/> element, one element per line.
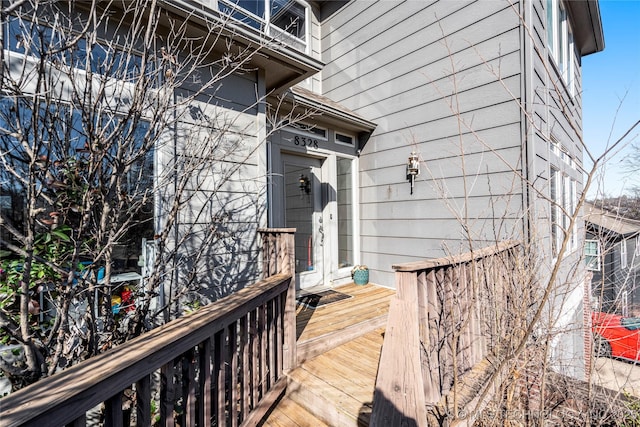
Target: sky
<point x="611" y="95"/>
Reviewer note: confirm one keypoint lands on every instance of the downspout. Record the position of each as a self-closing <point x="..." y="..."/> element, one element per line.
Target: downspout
<point x="526" y="85"/>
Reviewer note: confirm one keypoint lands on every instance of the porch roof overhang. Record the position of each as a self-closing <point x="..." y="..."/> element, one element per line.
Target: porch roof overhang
<point x="283" y="66"/>
<point x="331" y="112"/>
<point x="587" y="28"/>
<point x="326" y="112"/>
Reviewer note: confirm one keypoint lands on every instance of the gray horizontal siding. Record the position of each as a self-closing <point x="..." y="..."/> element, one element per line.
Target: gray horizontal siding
<point x="216" y="145"/>
<point x="385" y="66"/>
<point x="439" y="78"/>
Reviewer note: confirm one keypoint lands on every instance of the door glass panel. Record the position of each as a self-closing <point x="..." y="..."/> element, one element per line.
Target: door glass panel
<point x="299" y="213"/>
<point x="345" y="212"/>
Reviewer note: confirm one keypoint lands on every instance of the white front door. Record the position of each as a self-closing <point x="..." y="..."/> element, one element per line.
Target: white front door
<point x="304" y="212"/>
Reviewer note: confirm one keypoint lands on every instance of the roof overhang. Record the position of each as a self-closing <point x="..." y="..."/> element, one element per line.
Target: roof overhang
<point x="283" y="66"/>
<point x="324" y="112"/>
<point x="587" y="25"/>
<point x="611" y="225"/>
<point x="332" y="113"/>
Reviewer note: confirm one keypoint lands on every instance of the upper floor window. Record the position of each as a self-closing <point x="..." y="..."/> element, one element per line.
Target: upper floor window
<point x="592" y="254"/>
<point x="53" y="44"/>
<point x="285" y="20"/>
<point x="560" y="42"/>
<point x="623" y="253"/>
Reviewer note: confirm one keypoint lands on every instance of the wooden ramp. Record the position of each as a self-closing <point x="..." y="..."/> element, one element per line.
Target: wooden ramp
<point x="339" y="349"/>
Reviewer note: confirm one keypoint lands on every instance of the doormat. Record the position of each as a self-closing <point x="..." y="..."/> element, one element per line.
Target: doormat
<point x="320" y="299"/>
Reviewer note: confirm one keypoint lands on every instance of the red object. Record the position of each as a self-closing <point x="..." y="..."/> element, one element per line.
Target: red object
<point x="127" y="300"/>
<point x="616" y="336"/>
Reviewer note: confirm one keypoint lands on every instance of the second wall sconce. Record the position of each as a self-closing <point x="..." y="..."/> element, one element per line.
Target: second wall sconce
<point x="413" y="168"/>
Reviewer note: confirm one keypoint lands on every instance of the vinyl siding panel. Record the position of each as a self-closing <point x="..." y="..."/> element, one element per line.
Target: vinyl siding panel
<point x="443" y="79"/>
<point x="406" y="210"/>
<point x="214" y="148"/>
<point x="411" y="60"/>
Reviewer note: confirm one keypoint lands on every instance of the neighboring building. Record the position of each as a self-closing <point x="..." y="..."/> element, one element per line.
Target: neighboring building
<point x="487" y="95"/>
<point x="612" y="254"/>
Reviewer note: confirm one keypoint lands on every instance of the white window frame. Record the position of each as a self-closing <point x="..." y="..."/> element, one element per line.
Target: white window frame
<point x="563" y="199"/>
<point x="561" y="43"/>
<point x="595" y="256"/>
<point x="308" y="130"/>
<point x="573" y="203"/>
<point x="353" y="139"/>
<point x="623" y="253"/>
<point x="556" y="240"/>
<point x="272" y="29"/>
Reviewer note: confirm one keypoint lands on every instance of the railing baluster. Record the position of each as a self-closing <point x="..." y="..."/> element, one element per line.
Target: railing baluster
<point x="432" y="376"/>
<point x="143" y="402"/>
<point x="262" y="330"/>
<point x="233" y="371"/>
<point x="245" y="380"/>
<point x="204" y="363"/>
<point x="255" y="355"/>
<point x="445" y="329"/>
<point x="189" y="388"/>
<point x="167" y="395"/>
<point x="113" y="411"/>
<point x="279" y="333"/>
<point x="220" y="369"/>
<point x="271" y="326"/>
<point x="273" y="253"/>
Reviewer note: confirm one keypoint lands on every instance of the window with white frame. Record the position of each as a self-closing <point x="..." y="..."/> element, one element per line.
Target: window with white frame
<point x="285" y="20"/>
<point x="344" y="139"/>
<point x="560" y="41"/>
<point x="592" y="254"/>
<point x="572" y="203"/>
<point x="553" y="195"/>
<point x="562" y="193"/>
<point x="623" y="253"/>
<point x="308" y="129"/>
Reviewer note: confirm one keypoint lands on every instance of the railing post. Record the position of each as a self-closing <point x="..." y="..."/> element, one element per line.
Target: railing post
<point x="399" y="394"/>
<point x="290" y="355"/>
<point x="278" y="252"/>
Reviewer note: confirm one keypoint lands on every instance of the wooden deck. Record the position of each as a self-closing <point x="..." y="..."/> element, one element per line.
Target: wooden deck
<point x="339" y="349"/>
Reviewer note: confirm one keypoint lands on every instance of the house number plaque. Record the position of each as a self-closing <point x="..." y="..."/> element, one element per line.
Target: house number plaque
<point x="303" y="141"/>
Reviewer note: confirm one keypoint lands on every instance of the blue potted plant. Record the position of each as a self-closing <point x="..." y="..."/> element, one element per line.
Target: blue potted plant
<point x="360" y="274"/>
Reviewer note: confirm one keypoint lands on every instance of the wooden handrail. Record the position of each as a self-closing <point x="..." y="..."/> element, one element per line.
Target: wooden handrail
<point x="447" y="307"/>
<point x="456" y="259"/>
<point x="226" y="361"/>
<point x="63" y="397"/>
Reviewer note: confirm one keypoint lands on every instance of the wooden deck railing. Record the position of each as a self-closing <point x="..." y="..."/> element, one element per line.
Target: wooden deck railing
<point x="221" y="365"/>
<point x="441" y="324"/>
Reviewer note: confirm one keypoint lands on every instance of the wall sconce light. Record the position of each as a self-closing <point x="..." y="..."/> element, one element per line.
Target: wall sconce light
<point x="304" y="184"/>
<point x="413" y="168"/>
